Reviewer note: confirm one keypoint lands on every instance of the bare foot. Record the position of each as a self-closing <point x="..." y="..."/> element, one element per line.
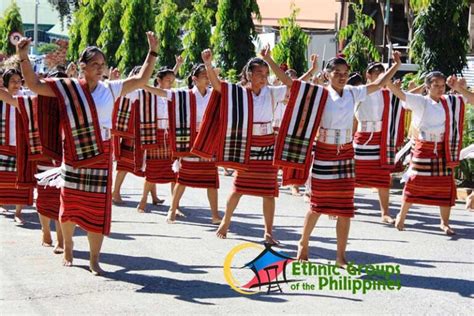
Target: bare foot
<point x="58" y="250"/>
<point x="19" y="219"/>
<point x="68" y="256"/>
<point x="117" y="200"/>
<point x="216" y="220"/>
<point x="302" y="252"/>
<point x="179" y="213"/>
<point x="47" y="241"/>
<point x="307" y="198"/>
<point x="141" y="208"/>
<point x="3" y="210"/>
<point x="269" y="240"/>
<point x="171" y="218"/>
<point x="387" y="219"/>
<point x="341" y="263"/>
<point x="400" y="223"/>
<point x="95" y="269"/>
<point x="447" y="230"/>
<point x="222" y="230"/>
<point x="158" y="201"/>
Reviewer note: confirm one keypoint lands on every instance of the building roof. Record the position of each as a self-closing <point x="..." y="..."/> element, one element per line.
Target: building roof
<point x="313" y="14"/>
<point x="46" y="13"/>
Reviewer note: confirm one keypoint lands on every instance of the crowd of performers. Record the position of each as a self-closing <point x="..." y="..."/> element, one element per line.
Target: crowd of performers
<point x="61" y="135"/>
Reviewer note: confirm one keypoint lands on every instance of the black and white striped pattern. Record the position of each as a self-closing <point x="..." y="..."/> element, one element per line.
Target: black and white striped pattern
<point x="4" y="123"/>
<point x="333" y="170"/>
<point x="456" y="111"/>
<point x="183" y="119"/>
<point x="235" y="142"/>
<point x="262" y="153"/>
<point x="7" y="163"/>
<point x="148" y="104"/>
<point x="429" y="167"/>
<point x="85" y="179"/>
<point x="367" y="152"/>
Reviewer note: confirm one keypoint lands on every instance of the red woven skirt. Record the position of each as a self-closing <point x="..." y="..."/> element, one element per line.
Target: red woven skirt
<point x="432" y="183"/>
<point x="197" y="173"/>
<point x="369" y="173"/>
<point x="260" y="179"/>
<point x="48" y="199"/>
<point x="125" y="156"/>
<point x="333" y="180"/>
<point x="9" y="194"/>
<point x="86" y="198"/>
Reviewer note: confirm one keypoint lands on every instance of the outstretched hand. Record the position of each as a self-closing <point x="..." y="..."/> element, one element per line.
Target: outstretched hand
<point x="266" y="52"/>
<point x="152" y="41"/>
<point x="207" y="56"/>
<point x="23" y="46"/>
<point x="396" y="55"/>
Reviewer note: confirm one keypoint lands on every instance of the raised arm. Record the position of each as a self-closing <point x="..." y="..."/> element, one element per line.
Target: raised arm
<point x="6" y="97"/>
<point x="399" y="93"/>
<point x="457" y="85"/>
<point x="211" y="74"/>
<point x="179" y="63"/>
<point x="155" y="90"/>
<point x="387" y="76"/>
<point x="267" y="56"/>
<point x="31" y="81"/>
<point x="141" y="79"/>
<point x="314" y="67"/>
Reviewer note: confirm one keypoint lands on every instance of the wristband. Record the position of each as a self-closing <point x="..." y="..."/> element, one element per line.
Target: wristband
<point x="152" y="53"/>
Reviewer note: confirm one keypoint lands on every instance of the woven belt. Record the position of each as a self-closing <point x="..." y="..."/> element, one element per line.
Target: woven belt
<point x="335" y="136"/>
<point x="260" y="129"/>
<point x="369" y="126"/>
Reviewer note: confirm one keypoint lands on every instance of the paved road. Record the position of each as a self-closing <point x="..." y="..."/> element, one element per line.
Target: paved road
<point x="154" y="267"/>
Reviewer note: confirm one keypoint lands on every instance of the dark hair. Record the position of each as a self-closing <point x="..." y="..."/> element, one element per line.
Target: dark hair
<point x="89" y="53"/>
<point x="8" y="74"/>
<point x="333" y="62"/>
<point x="163" y="71"/>
<point x="434" y="75"/>
<point x="355" y="79"/>
<point x="56" y="73"/>
<point x="135" y="70"/>
<point x="291" y="73"/>
<point x="375" y="65"/>
<point x="195" y="71"/>
<point x="253" y="63"/>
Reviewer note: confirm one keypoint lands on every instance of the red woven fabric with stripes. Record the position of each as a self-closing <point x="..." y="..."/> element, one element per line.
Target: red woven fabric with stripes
<point x="198" y="174"/>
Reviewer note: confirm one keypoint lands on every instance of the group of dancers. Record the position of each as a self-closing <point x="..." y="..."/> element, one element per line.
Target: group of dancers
<point x="61" y="135"/>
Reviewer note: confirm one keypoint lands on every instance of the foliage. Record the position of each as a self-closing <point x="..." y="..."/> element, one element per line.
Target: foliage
<point x="167" y="29"/>
<point x="232" y="39"/>
<point x="197" y="36"/>
<point x="110" y="35"/>
<point x="75" y="36"/>
<point x="136" y="21"/>
<point x="46" y="48"/>
<point x="90" y="16"/>
<point x="293" y="44"/>
<point x="11" y="23"/>
<point x="444" y="51"/>
<point x="360" y="50"/>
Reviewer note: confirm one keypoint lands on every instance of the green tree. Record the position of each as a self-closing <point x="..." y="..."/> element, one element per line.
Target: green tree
<point x="167" y="30"/>
<point x="137" y="19"/>
<point x="197" y="37"/>
<point x="46" y="48"/>
<point x="75" y="36"/>
<point x="360" y="49"/>
<point x="11" y="23"/>
<point x="293" y="44"/>
<point x="110" y="35"/>
<point x="232" y="39"/>
<point x="91" y="14"/>
<point x="446" y="53"/>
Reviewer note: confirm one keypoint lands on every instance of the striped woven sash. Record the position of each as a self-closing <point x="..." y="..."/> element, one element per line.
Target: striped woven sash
<point x="28" y="107"/>
<point x="80" y="121"/>
<point x="5" y="110"/>
<point x="236" y="116"/>
<point x="148" y="108"/>
<point x="300" y="124"/>
<point x="122" y="118"/>
<point x="182" y="122"/>
<point x="393" y="120"/>
<point x="454" y="109"/>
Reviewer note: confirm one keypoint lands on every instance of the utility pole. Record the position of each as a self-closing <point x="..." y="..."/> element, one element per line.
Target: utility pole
<point x="35" y="49"/>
